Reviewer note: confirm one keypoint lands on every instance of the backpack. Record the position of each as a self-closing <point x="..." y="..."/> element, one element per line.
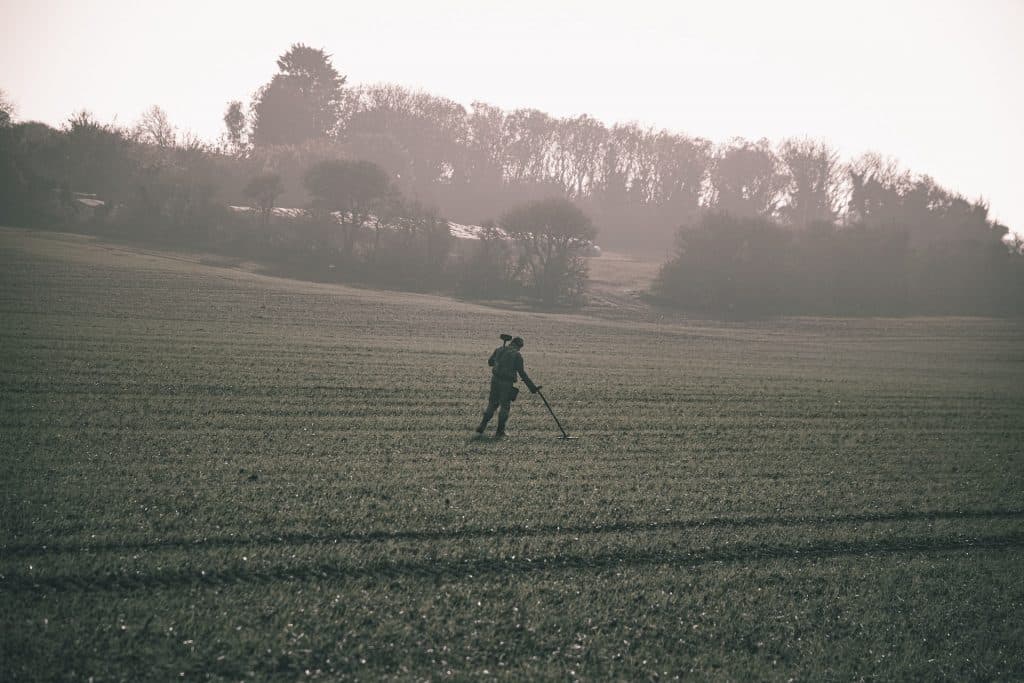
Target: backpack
<point x="505" y="364"/>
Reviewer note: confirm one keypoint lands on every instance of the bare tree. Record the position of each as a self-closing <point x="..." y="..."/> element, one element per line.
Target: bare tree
<point x="680" y="165"/>
<point x="484" y="142"/>
<point x="812" y="193"/>
<point x="432" y="132"/>
<point x="527" y="140"/>
<point x="579" y="142"/>
<point x="155" y="128"/>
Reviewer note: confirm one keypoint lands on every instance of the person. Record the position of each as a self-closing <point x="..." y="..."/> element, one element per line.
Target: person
<point x="506" y="365"/>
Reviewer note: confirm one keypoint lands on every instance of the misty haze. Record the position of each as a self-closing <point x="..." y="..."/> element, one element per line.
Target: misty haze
<point x="374" y="379"/>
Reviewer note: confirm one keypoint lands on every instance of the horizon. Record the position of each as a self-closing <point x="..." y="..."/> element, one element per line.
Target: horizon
<point x="954" y="121"/>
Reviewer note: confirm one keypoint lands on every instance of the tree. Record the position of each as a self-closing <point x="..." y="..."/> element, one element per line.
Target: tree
<point x="431" y="130"/>
<point x="302" y="101"/>
<point x="384" y="150"/>
<point x="484" y="144"/>
<point x="527" y="140"/>
<point x="6" y="110"/>
<point x="97" y="158"/>
<point x="746" y="179"/>
<point x="877" y="188"/>
<point x="580" y="142"/>
<point x="551" y="234"/>
<point x="416" y="247"/>
<point x="680" y="164"/>
<point x="488" y="270"/>
<point x="234" y="123"/>
<point x="154" y="128"/>
<point x="32" y="156"/>
<point x="351" y="190"/>
<point x="264" y="189"/>
<point x="729" y="264"/>
<point x="811" y="168"/>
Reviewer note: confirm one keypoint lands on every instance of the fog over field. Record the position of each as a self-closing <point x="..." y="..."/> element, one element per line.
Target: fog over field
<point x="417" y="341"/>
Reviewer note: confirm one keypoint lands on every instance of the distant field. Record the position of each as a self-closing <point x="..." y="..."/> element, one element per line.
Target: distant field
<point x="209" y="473"/>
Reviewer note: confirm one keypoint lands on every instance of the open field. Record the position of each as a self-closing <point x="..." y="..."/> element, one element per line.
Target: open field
<point x="208" y="473"/>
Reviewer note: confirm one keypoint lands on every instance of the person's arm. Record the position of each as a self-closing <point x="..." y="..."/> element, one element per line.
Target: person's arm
<point x="493" y="358"/>
<point x="521" y="369"/>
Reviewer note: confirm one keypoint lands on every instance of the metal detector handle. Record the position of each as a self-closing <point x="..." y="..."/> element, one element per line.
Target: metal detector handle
<point x="548" y="406"/>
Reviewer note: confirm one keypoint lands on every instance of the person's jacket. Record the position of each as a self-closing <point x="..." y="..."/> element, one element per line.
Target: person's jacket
<point x="507" y="363"/>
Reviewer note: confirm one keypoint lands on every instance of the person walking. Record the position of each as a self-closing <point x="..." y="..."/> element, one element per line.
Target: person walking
<point x="506" y="365"/>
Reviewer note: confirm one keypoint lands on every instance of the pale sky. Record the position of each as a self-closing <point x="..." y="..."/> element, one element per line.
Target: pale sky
<point x="938" y="85"/>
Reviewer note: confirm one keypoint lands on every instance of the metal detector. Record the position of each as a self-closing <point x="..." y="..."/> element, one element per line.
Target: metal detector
<point x="564" y="436"/>
<point x="505" y="339"/>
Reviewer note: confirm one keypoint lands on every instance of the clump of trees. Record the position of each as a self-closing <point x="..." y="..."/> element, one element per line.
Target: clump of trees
<point x="354" y="224"/>
<point x="536" y="252"/>
<point x="147" y="180"/>
<point x="729" y="264"/>
<point x="751" y="266"/>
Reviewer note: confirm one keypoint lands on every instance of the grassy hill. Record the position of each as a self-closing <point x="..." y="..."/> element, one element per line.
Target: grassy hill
<point x="210" y="473"/>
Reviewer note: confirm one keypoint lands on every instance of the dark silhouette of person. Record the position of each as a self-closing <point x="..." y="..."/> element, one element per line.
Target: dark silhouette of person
<point x="506" y="365"/>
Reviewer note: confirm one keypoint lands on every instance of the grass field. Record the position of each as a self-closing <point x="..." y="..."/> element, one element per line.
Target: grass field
<point x="208" y="473"/>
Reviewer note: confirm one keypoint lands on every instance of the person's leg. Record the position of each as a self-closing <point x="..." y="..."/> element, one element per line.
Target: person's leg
<point x="506" y="408"/>
<point x="493" y="400"/>
<point x="488" y="414"/>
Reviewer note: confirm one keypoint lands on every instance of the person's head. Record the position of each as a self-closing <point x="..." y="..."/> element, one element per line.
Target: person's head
<point x="517" y="342"/>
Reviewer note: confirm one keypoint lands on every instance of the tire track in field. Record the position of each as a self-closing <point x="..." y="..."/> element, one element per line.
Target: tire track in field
<point x="28" y="550"/>
<point x="453" y="569"/>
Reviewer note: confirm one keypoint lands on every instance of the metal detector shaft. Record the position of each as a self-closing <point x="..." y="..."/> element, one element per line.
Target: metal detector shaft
<point x="548" y="406"/>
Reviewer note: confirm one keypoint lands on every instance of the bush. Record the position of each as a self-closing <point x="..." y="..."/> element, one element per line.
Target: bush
<point x="487" y="270"/>
<point x="729" y="265"/>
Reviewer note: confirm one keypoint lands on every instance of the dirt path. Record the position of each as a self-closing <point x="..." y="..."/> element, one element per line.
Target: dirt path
<point x="617" y="284"/>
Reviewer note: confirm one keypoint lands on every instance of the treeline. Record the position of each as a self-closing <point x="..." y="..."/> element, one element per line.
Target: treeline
<point x="859" y="237"/>
<point x="354" y="224"/>
<point x="727" y="265"/>
<point x="758" y="227"/>
<point x="146" y="181"/>
<point x="638" y="183"/>
<point x="902" y="245"/>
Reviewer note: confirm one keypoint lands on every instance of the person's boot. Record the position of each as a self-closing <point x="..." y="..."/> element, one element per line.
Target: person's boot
<point x="483" y="424"/>
<point x="500" y="433"/>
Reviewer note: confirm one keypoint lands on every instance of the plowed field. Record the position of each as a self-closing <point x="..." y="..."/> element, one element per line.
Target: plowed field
<point x="209" y="473"/>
